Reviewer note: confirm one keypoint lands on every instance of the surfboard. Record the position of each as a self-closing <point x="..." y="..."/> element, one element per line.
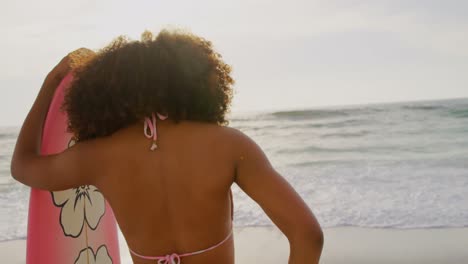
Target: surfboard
<point x="71" y="226"/>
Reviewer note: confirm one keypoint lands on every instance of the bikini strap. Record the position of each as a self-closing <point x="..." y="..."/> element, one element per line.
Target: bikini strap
<point x="174" y="258"/>
<point x="151" y="124"/>
<point x="208" y="249"/>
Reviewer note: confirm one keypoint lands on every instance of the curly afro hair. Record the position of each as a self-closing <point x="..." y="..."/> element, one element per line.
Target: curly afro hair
<point x="175" y="73"/>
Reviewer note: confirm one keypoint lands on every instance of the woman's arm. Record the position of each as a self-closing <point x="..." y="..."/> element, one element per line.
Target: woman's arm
<point x="256" y="177"/>
<point x="53" y="172"/>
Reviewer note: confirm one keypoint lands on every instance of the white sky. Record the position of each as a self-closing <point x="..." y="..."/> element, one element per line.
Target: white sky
<point x="285" y="54"/>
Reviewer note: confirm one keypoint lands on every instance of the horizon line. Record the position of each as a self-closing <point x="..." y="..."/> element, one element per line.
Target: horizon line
<point x="305" y="108"/>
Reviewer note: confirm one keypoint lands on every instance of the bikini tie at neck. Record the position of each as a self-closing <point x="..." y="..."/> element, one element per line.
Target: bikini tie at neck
<point x="151" y="124"/>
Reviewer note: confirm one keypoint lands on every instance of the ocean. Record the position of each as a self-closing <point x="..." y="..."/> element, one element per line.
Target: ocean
<point x="393" y="165"/>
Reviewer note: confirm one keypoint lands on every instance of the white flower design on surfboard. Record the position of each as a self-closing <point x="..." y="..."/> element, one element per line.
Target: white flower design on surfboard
<point x="79" y="205"/>
<point x="87" y="256"/>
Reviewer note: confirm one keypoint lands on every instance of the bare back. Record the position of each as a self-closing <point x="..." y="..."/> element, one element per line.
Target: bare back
<point x="176" y="198"/>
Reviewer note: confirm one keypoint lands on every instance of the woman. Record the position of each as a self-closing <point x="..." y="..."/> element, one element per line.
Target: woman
<point x="170" y="191"/>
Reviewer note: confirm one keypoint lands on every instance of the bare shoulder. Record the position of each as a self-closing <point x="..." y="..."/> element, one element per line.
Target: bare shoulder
<point x="217" y="132"/>
<point x="237" y="140"/>
<point x="235" y="136"/>
<point x="244" y="150"/>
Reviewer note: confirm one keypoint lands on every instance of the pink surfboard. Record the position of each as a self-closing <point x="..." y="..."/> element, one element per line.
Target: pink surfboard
<point x="75" y="226"/>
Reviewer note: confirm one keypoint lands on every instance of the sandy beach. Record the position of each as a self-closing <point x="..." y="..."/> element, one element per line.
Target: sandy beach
<point x="342" y="245"/>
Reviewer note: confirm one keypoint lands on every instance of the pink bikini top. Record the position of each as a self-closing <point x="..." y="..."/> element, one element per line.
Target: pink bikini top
<point x="173" y="258"/>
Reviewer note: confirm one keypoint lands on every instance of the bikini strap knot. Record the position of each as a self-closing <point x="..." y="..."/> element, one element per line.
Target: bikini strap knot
<point x="151" y="125"/>
<point x="169" y="259"/>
